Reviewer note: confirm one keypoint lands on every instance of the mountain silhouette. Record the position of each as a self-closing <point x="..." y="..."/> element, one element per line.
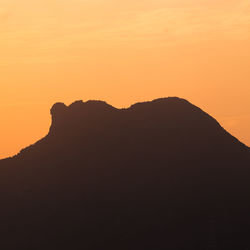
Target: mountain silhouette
<point x="157" y="175"/>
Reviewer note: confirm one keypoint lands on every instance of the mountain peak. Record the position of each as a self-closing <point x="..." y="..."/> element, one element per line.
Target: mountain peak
<point x="58" y="108"/>
<point x="173" y="121"/>
<point x="165" y="100"/>
<point x="102" y="173"/>
<point x="172" y="110"/>
<point x="78" y="110"/>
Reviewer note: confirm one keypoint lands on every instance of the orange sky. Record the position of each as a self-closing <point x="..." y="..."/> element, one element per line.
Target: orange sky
<point x="121" y="52"/>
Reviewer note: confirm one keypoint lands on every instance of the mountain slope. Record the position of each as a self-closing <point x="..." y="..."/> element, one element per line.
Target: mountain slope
<point x="158" y="175"/>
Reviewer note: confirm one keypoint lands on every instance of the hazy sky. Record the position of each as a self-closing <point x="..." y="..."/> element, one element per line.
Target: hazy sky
<point x="121" y="52"/>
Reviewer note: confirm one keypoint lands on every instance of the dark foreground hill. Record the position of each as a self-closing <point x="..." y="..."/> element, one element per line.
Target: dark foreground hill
<point x="158" y="175"/>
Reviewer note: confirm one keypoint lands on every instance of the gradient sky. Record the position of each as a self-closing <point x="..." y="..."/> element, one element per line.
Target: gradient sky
<point x="121" y="52"/>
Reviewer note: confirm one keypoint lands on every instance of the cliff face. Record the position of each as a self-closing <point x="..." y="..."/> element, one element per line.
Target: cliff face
<point x="158" y="175"/>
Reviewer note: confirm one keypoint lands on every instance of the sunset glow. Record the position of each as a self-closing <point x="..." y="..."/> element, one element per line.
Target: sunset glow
<point x="121" y="52"/>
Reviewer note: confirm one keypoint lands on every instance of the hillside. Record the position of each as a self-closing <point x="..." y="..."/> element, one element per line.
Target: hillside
<point x="157" y="175"/>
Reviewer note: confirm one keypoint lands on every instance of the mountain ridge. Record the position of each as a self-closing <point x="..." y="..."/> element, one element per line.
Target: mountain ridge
<point x="60" y="111"/>
<point x="157" y="175"/>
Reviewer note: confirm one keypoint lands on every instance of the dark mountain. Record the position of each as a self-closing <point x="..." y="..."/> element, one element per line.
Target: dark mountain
<point x="158" y="175"/>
